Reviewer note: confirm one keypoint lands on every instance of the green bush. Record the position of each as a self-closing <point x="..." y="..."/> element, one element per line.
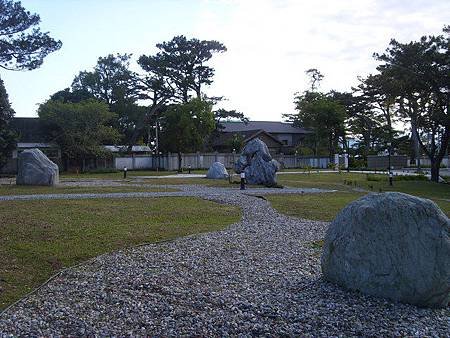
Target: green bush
<point x="375" y="178"/>
<point x="382" y="178"/>
<point x="411" y="178"/>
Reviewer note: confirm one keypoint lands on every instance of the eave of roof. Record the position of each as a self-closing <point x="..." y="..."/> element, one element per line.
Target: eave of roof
<point x="273" y="127"/>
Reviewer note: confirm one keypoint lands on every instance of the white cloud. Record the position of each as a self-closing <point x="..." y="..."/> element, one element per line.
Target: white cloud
<point x="271" y="43"/>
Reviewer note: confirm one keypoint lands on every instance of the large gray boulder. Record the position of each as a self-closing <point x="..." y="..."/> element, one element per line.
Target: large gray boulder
<point x="257" y="163"/>
<point x="34" y="168"/>
<point x="391" y="245"/>
<point x="217" y="171"/>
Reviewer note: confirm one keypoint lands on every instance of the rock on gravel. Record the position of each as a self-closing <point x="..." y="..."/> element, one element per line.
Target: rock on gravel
<point x="34" y="168"/>
<point x="217" y="171"/>
<point x="391" y="245"/>
<point x="257" y="163"/>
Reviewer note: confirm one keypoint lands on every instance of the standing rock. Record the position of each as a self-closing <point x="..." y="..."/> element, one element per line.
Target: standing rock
<point x="34" y="168"/>
<point x="257" y="163"/>
<point x="217" y="171"/>
<point x="391" y="245"/>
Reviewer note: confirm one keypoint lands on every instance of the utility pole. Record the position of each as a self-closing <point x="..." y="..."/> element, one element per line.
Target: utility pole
<point x="157" y="145"/>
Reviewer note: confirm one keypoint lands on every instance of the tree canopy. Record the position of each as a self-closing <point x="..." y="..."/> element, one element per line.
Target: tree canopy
<point x="22" y="44"/>
<point x="418" y="74"/>
<point x="185" y="126"/>
<point x="181" y="64"/>
<point x="325" y="116"/>
<point x="80" y="128"/>
<point x="7" y="136"/>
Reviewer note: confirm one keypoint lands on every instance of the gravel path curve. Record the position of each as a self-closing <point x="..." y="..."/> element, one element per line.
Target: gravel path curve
<point x="259" y="277"/>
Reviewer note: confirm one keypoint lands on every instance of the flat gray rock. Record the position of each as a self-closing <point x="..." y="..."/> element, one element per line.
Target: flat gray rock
<point x="391" y="245"/>
<point x="34" y="168"/>
<point x="217" y="171"/>
<point x="257" y="163"/>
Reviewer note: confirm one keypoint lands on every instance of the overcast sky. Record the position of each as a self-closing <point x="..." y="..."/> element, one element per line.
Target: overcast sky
<point x="270" y="42"/>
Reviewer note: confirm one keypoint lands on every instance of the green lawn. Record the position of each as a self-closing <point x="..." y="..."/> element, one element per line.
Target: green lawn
<point x="115" y="175"/>
<point x="29" y="190"/>
<point x="349" y="181"/>
<point x="38" y="238"/>
<point x="325" y="206"/>
<point x="322" y="206"/>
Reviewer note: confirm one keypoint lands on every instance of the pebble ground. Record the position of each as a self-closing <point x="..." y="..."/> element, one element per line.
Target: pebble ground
<point x="259" y="277"/>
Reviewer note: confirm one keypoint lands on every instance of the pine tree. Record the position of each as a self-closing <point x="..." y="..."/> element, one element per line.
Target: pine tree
<point x="7" y="135"/>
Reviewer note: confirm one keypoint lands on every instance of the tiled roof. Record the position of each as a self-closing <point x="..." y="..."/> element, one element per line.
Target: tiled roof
<point x="135" y="149"/>
<point x="272" y="127"/>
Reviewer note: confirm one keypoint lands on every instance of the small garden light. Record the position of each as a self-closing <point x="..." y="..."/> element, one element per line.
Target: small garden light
<point x="242" y="180"/>
<point x="125" y="172"/>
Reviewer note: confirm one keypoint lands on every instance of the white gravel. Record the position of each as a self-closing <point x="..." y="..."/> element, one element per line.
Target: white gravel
<point x="260" y="277"/>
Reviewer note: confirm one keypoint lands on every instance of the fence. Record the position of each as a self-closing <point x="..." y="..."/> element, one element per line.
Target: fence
<point x="425" y="161"/>
<point x="382" y="162"/>
<point x="205" y="160"/>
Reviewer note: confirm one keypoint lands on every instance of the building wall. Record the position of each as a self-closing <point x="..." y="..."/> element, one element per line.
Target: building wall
<point x="382" y="162"/>
<point x="284" y="137"/>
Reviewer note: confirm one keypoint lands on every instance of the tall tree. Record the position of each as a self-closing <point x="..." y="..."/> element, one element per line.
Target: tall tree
<point x="365" y="125"/>
<point x="114" y="83"/>
<point x="325" y="116"/>
<point x="111" y="81"/>
<point x="182" y="63"/>
<point x="153" y="87"/>
<point x="420" y="74"/>
<point x="186" y="126"/>
<point x="315" y="77"/>
<point x="79" y="129"/>
<point x="7" y="136"/>
<point x="22" y="44"/>
<point x="379" y="93"/>
<point x="173" y="74"/>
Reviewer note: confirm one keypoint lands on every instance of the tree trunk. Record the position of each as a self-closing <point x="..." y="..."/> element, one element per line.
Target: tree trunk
<point x="180" y="160"/>
<point x="330" y="148"/>
<point x="435" y="164"/>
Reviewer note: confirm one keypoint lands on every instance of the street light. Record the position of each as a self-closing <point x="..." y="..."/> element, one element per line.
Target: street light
<point x="389" y="144"/>
<point x="243" y="180"/>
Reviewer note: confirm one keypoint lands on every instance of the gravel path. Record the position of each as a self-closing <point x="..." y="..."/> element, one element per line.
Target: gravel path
<point x="259" y="277"/>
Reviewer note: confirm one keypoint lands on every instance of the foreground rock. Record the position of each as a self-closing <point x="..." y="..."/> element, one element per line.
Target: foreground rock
<point x="391" y="245"/>
<point x="34" y="168"/>
<point x="257" y="163"/>
<point x="217" y="171"/>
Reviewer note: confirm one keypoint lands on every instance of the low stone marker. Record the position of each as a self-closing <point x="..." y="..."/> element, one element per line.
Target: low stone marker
<point x="217" y="171"/>
<point x="391" y="245"/>
<point x="34" y="168"/>
<point x="257" y="163"/>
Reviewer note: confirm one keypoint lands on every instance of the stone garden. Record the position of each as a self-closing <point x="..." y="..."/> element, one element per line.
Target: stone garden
<point x="380" y="268"/>
<point x="309" y="208"/>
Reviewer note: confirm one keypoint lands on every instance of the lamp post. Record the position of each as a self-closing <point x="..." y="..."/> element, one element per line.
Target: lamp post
<point x="242" y="180"/>
<point x="389" y="163"/>
<point x="230" y="175"/>
<point x="346" y="161"/>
